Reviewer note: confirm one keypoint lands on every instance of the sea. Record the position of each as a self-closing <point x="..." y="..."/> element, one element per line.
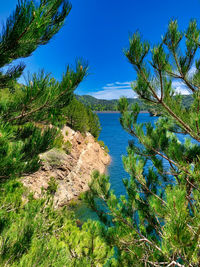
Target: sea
<point x="116" y="139"/>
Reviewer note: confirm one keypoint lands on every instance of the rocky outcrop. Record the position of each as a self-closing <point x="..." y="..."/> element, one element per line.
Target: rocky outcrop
<point x="70" y="167"/>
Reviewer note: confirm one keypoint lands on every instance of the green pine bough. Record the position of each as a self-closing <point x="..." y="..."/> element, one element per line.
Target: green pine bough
<point x="157" y="223"/>
<point x="32" y="233"/>
<point x="26" y="111"/>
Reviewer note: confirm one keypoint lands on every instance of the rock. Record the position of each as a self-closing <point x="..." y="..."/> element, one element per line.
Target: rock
<point x="72" y="172"/>
<point x="79" y="138"/>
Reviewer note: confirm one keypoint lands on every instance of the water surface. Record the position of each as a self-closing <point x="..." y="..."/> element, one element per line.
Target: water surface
<point x="116" y="139"/>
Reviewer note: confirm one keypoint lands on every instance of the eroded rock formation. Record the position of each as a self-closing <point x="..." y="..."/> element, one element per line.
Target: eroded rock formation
<point x="71" y="167"/>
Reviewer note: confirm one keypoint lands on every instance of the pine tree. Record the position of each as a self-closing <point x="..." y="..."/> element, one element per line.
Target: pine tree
<point x="81" y="118"/>
<point x="26" y="111"/>
<point x="94" y="123"/>
<point x="157" y="223"/>
<point x="76" y="115"/>
<point x="32" y="232"/>
<point x="35" y="234"/>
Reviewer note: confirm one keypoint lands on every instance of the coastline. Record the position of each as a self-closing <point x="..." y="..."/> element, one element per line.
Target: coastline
<point x="112" y="111"/>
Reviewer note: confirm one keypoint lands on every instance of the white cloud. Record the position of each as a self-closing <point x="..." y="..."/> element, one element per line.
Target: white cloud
<point x="115" y="91"/>
<point x="118" y="89"/>
<point x="114" y="94"/>
<point x="192" y="71"/>
<point x="124" y="83"/>
<point x="110" y="84"/>
<point x="180" y="88"/>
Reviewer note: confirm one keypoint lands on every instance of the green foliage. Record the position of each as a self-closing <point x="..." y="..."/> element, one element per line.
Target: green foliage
<point x="17" y="156"/>
<point x="157" y="222"/>
<point x="26" y="111"/>
<point x="30" y="26"/>
<point x="107" y="105"/>
<point x="54" y="157"/>
<point x="81" y="196"/>
<point x="52" y="186"/>
<point x="81" y="118"/>
<point x="32" y="233"/>
<point x="58" y="141"/>
<point x="112" y="105"/>
<point x="101" y="143"/>
<point x="73" y="203"/>
<point x="76" y="115"/>
<point x="93" y="123"/>
<point x="67" y="147"/>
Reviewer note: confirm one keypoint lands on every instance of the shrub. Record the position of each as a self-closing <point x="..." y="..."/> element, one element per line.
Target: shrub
<point x="52" y="186"/>
<point x="101" y="143"/>
<point x="67" y="147"/>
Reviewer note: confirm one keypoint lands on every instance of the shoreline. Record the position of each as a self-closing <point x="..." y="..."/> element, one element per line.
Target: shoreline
<point x="112" y="111"/>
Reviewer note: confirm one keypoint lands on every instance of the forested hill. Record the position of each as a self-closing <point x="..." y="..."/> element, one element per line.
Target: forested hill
<point x="111" y="105"/>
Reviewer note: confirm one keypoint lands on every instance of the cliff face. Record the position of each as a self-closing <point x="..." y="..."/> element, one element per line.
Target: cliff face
<point x="71" y="168"/>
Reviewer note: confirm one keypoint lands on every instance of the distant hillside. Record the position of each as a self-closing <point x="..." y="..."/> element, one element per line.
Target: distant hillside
<point x="105" y="105"/>
<point x="111" y="105"/>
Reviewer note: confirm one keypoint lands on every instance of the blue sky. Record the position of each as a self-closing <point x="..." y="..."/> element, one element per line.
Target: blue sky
<point x="97" y="31"/>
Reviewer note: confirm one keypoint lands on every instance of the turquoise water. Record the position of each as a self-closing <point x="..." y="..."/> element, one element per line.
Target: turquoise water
<point x="116" y="139"/>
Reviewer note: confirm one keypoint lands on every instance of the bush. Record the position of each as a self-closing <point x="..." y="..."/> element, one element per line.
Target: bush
<point x="35" y="234"/>
<point x="67" y="147"/>
<point x="101" y="143"/>
<point x="58" y="142"/>
<point x="52" y="186"/>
